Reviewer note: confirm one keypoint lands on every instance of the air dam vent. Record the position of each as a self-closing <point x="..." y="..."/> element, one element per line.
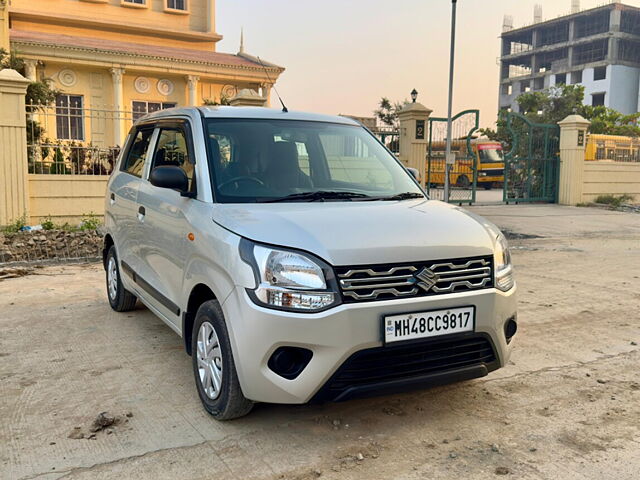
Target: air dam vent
<point x="398" y="368"/>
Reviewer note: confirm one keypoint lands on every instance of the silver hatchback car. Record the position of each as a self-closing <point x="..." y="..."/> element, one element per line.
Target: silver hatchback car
<point x="299" y="260"/>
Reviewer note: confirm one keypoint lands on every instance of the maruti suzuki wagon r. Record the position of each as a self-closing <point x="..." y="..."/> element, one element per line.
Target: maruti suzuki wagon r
<point x="299" y="260"/>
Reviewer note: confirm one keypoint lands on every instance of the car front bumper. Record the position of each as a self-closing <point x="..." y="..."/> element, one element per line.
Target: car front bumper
<point x="337" y="334"/>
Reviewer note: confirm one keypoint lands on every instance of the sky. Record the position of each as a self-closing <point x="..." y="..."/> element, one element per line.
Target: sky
<point x="342" y="56"/>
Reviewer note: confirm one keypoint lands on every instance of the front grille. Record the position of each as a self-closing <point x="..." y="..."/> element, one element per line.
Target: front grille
<point x="376" y="366"/>
<point x="385" y="282"/>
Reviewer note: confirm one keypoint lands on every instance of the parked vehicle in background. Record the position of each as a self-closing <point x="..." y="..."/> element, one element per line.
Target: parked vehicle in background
<point x="299" y="260"/>
<point x="487" y="158"/>
<point x="616" y="148"/>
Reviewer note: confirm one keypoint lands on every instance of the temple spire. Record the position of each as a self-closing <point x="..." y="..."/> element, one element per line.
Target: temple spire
<point x="241" y="51"/>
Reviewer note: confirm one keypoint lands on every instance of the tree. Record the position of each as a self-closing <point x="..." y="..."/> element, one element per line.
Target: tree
<point x="224" y="100"/>
<point x="387" y="112"/>
<point x="39" y="92"/>
<point x="556" y="103"/>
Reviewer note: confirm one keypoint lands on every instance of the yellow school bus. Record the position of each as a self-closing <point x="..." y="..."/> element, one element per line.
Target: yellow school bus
<point x="488" y="158"/>
<point x="612" y="147"/>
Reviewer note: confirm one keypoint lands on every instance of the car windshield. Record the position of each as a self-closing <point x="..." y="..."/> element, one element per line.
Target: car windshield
<point x="491" y="154"/>
<point x="286" y="160"/>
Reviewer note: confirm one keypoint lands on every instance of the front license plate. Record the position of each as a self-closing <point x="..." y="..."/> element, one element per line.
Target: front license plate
<point x="410" y="326"/>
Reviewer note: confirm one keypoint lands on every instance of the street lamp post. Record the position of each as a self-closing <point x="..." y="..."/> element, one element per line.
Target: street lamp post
<point x="449" y="158"/>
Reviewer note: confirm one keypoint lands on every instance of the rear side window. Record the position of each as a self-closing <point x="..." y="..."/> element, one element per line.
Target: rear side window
<point x="134" y="162"/>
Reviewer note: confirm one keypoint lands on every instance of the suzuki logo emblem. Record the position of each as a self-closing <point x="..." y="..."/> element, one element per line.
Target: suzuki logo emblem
<point x="426" y="279"/>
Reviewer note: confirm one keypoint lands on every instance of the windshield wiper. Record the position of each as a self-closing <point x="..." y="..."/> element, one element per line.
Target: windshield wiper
<point x="317" y="195"/>
<point x="403" y="196"/>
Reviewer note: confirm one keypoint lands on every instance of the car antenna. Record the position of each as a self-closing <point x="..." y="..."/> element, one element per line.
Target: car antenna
<point x="284" y="107"/>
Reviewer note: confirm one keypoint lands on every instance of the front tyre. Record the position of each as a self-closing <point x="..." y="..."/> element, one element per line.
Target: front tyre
<point x="120" y="299"/>
<point x="213" y="365"/>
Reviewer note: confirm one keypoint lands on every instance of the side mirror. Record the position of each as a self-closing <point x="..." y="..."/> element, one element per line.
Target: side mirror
<point x="169" y="177"/>
<point x="415" y="173"/>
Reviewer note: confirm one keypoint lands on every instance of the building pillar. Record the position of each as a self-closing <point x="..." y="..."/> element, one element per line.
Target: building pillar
<point x="211" y="16"/>
<point x="4" y="25"/>
<point x="572" y="30"/>
<point x="414" y="137"/>
<point x="31" y="69"/>
<point x="118" y="106"/>
<point x="573" y="140"/>
<point x="266" y="93"/>
<point x="14" y="186"/>
<point x="192" y="90"/>
<point x="247" y="98"/>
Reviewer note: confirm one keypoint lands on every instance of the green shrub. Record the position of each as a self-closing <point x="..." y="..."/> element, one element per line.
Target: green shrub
<point x="90" y="221"/>
<point x="16" y="225"/>
<point x="47" y="223"/>
<point x="613" y="200"/>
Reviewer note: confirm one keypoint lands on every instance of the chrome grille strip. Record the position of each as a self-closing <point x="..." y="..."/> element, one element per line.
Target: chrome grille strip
<point x="453" y="266"/>
<point x="377" y="293"/>
<point x="446" y="276"/>
<point x="379" y="285"/>
<point x="374" y="273"/>
<point x="469" y="285"/>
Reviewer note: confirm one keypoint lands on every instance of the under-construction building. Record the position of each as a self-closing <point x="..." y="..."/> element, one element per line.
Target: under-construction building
<point x="598" y="48"/>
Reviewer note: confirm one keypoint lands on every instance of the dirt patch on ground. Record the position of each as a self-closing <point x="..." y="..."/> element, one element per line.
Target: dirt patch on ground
<point x="566" y="407"/>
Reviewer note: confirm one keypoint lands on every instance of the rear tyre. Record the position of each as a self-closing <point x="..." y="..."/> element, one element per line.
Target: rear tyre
<point x="213" y="365"/>
<point x="463" y="181"/>
<point x="120" y="299"/>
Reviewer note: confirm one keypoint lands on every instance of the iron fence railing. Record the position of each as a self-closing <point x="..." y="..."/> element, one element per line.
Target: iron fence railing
<point x="68" y="139"/>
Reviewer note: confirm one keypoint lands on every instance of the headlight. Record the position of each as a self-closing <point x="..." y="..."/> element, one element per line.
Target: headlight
<point x="501" y="258"/>
<point x="288" y="280"/>
<point x="502" y="264"/>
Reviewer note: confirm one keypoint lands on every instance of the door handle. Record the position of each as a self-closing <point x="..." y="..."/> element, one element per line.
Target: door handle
<point x="112" y="198"/>
<point x="141" y="213"/>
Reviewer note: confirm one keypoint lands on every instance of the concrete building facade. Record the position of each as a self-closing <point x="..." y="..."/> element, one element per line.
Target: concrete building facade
<point x="130" y="57"/>
<point x="598" y="48"/>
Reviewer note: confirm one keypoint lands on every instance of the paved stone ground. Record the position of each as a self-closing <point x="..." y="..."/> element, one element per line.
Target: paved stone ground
<point x="567" y="407"/>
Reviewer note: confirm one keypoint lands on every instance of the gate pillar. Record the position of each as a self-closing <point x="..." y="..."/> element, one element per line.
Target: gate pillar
<point x="413" y="137"/>
<point x="573" y="140"/>
<point x="14" y="194"/>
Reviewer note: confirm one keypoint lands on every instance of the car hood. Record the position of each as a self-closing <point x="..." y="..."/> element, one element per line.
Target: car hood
<point x="355" y="233"/>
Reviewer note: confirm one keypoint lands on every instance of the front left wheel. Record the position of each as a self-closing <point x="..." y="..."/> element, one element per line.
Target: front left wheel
<point x="120" y="299"/>
<point x="214" y="367"/>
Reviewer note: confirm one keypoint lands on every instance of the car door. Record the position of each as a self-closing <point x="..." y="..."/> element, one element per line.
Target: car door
<point x="123" y="196"/>
<point x="164" y="245"/>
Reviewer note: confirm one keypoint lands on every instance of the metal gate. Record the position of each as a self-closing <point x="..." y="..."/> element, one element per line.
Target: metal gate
<point x="389" y="136"/>
<point x="463" y="175"/>
<point x="532" y="166"/>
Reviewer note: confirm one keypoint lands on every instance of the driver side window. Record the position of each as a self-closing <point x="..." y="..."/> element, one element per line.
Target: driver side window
<point x="172" y="149"/>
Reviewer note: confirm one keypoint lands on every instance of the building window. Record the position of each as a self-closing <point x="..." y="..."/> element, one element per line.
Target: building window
<point x="69" y="117"/>
<point x="561" y="79"/>
<point x="600" y="73"/>
<point x="140" y="109"/>
<point x="538" y="83"/>
<point x="507" y="89"/>
<point x="597" y="99"/>
<point x="576" y="77"/>
<point x="138" y="2"/>
<point x="177" y="4"/>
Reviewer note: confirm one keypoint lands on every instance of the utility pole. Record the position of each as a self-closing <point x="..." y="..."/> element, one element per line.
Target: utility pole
<point x="449" y="157"/>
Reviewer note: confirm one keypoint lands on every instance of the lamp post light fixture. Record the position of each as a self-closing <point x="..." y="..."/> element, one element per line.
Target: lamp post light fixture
<point x="414" y="95"/>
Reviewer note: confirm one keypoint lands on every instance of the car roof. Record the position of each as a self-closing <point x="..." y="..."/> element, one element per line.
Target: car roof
<point x="248" y="113"/>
